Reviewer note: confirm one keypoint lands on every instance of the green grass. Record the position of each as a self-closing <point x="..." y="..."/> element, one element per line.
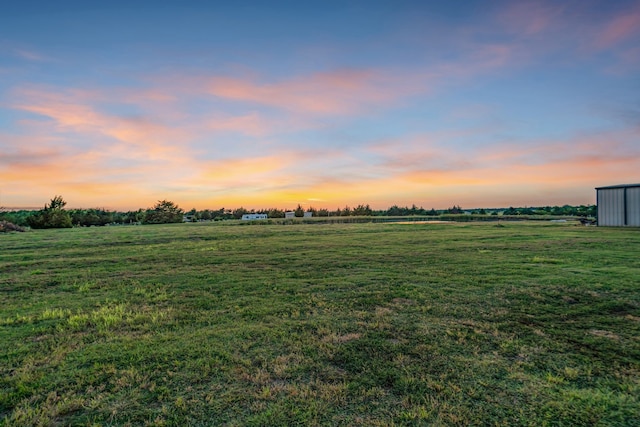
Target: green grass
<point x="321" y="324"/>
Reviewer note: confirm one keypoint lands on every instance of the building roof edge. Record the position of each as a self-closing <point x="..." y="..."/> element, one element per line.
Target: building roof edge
<point x="618" y="186"/>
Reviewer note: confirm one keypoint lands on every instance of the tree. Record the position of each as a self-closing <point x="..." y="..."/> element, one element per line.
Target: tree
<point x="19" y="218"/>
<point x="362" y="210"/>
<point x="510" y="211"/>
<point x="455" y="210"/>
<point x="56" y="203"/>
<point x="237" y="213"/>
<point x="275" y="213"/>
<point x="299" y="212"/>
<point x="206" y="215"/>
<point x="51" y="216"/>
<point x="394" y="211"/>
<point x="89" y="217"/>
<point x="133" y="217"/>
<point x="220" y="214"/>
<point x="163" y="212"/>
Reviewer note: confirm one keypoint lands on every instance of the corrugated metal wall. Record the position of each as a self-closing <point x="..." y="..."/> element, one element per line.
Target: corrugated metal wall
<point x="611" y="207"/>
<point x="633" y="206"/>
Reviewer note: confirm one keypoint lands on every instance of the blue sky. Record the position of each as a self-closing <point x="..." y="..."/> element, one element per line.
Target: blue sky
<point x="325" y="104"/>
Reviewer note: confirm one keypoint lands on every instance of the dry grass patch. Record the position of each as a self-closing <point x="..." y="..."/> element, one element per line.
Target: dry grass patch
<point x="605" y="334"/>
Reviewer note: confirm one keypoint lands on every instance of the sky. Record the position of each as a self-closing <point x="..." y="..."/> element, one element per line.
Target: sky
<point x="326" y="103"/>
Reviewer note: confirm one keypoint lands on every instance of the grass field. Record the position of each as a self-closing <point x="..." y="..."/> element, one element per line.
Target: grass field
<point x="327" y="324"/>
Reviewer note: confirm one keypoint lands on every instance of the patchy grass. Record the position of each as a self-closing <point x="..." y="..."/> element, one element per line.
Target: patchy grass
<point x="321" y="324"/>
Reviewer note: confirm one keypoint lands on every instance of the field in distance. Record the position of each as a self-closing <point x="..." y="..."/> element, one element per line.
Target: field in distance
<point x="321" y="324"/>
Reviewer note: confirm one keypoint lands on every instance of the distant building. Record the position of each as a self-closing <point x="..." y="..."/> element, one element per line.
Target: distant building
<point x="619" y="205"/>
<point x="308" y="214"/>
<point x="247" y="217"/>
<point x="290" y="214"/>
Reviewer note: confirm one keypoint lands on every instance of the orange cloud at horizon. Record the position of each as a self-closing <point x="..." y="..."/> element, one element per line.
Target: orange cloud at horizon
<point x="495" y="177"/>
<point x="565" y="181"/>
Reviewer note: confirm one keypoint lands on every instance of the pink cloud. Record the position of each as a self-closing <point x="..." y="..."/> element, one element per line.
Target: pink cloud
<point x="28" y="156"/>
<point x="619" y="29"/>
<point x="252" y="124"/>
<point x="351" y="91"/>
<point x="30" y="55"/>
<point x="538" y="29"/>
<point x="529" y="18"/>
<point x="70" y="111"/>
<point x="337" y="92"/>
<point x="630" y="56"/>
<point x="490" y="56"/>
<point x="22" y="51"/>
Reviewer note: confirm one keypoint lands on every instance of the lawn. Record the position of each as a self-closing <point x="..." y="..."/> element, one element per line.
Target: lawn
<point x="321" y="324"/>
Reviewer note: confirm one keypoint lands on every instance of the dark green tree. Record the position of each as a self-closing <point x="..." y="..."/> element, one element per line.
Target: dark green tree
<point x="362" y="210"/>
<point x="89" y="217"/>
<point x="456" y="209"/>
<point x="163" y="212"/>
<point x="133" y="217"/>
<point x="395" y="211"/>
<point x="275" y="213"/>
<point x="237" y="213"/>
<point x="52" y="216"/>
<point x="18" y="218"/>
<point x="510" y="211"/>
<point x="299" y="212"/>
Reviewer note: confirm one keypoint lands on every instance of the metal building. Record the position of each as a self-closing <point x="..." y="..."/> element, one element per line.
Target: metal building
<point x="619" y="205"/>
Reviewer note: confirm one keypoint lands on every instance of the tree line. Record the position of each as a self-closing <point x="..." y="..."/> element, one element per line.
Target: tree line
<point x="54" y="214"/>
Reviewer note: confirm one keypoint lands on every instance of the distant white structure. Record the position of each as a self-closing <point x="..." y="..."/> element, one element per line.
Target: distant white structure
<point x="308" y="214"/>
<point x="290" y="214"/>
<point x="247" y="217"/>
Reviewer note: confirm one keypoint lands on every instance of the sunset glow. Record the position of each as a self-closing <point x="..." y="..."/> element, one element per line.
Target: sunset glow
<point x="323" y="104"/>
